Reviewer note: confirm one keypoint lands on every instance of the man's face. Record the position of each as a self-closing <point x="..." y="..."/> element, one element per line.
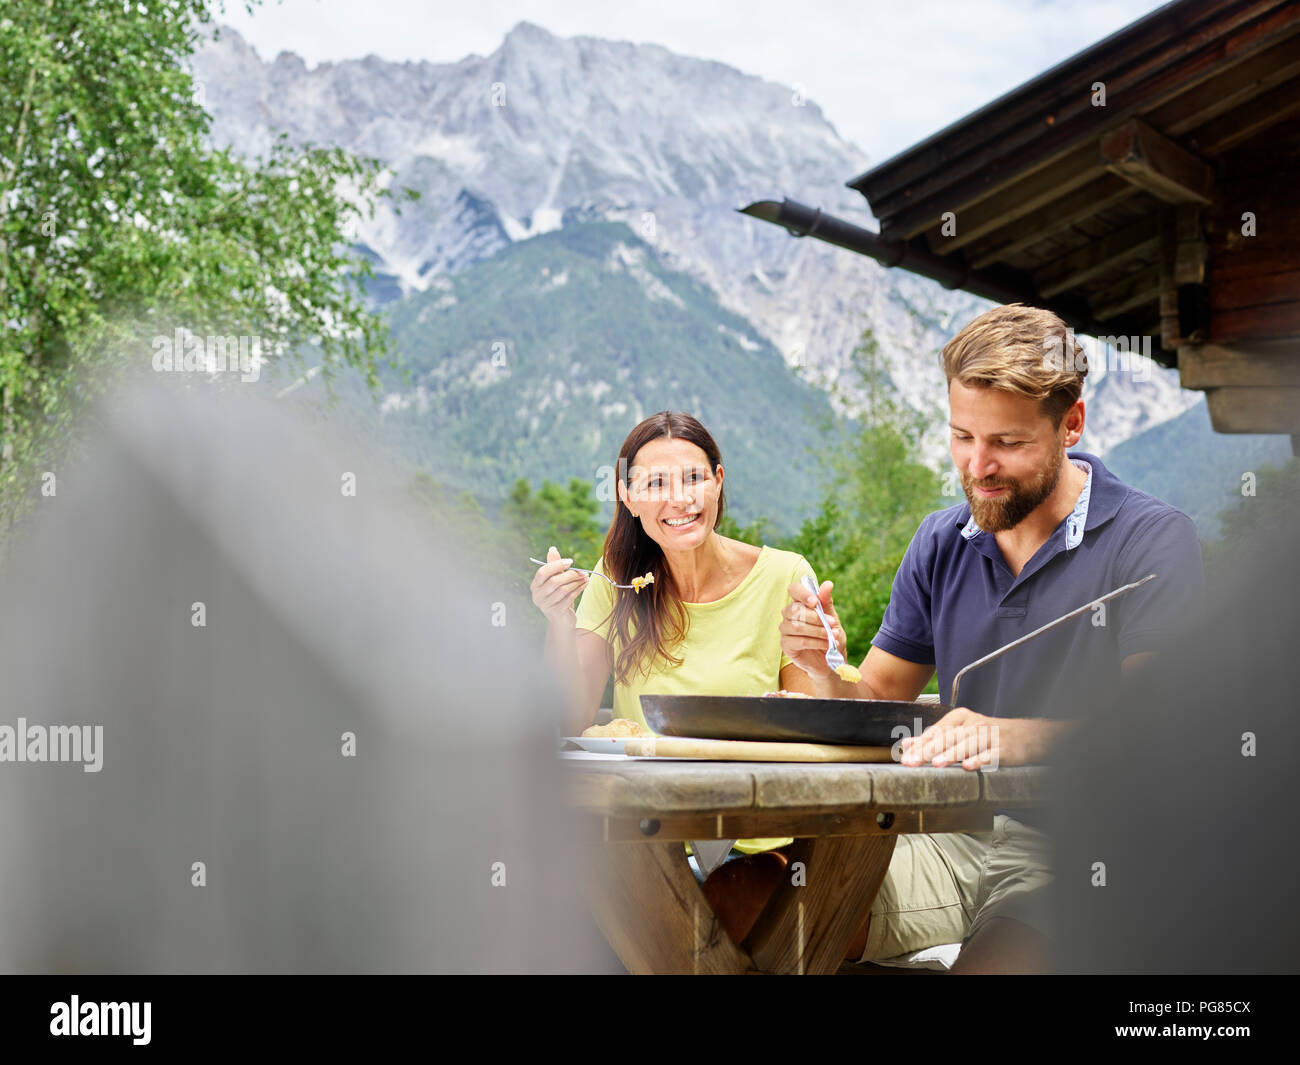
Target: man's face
<point x="1007" y="451"/>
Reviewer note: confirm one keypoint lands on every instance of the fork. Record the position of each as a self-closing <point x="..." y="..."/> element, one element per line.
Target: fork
<point x="834" y="659"/>
<point x="588" y="572"/>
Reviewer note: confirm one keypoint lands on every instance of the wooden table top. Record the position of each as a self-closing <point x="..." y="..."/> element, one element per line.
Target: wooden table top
<point x="680" y="794"/>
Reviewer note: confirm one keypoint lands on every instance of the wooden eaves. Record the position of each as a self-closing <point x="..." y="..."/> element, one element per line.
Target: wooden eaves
<point x="1147" y="187"/>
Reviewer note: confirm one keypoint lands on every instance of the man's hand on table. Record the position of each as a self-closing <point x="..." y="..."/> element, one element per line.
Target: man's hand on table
<point x="976" y="741"/>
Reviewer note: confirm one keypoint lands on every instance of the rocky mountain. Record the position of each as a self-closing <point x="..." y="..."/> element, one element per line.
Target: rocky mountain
<point x="1187" y="464"/>
<point x="548" y="132"/>
<point x="553" y="394"/>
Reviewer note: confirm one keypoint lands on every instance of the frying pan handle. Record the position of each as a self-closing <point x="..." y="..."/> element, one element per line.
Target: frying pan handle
<point x="1039" y="631"/>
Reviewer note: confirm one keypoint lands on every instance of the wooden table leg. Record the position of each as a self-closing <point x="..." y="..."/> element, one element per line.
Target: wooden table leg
<point x="649" y="906"/>
<point x="806" y="929"/>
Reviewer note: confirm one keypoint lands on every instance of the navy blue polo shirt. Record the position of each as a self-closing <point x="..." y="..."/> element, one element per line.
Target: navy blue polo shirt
<point x="955" y="599"/>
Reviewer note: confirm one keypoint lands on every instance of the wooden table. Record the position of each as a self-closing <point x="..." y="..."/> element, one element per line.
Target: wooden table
<point x="845" y="819"/>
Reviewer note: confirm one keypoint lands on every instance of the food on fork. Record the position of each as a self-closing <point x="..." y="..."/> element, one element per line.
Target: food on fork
<point x="640" y="582"/>
<point x="850" y="673"/>
<point x="619" y="728"/>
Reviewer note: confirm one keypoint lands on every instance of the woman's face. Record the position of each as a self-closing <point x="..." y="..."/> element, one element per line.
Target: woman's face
<point x="673" y="492"/>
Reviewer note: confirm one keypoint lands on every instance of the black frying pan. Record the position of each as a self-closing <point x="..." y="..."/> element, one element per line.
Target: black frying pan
<point x="854" y="722"/>
<point x="860" y="722"/>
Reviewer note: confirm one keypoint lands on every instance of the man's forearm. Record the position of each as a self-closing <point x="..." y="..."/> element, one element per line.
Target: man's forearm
<point x="831" y="686"/>
<point x="1038" y="735"/>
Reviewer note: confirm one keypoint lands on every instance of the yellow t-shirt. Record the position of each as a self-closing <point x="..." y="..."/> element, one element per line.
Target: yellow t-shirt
<point x="732" y="646"/>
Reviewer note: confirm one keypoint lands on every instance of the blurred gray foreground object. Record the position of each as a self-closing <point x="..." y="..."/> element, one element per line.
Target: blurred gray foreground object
<point x="1183" y="792"/>
<point x="442" y="846"/>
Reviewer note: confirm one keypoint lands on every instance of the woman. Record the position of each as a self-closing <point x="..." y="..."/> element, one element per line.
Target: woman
<point x="706" y="625"/>
<point x="708" y="622"/>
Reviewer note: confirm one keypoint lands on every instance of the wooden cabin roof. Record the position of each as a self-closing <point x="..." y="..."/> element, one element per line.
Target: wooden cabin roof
<point x="1126" y="209"/>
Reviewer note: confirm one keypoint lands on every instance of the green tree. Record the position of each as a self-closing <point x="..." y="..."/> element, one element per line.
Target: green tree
<point x="757" y="532"/>
<point x="555" y="515"/>
<point x="118" y="222"/>
<point x="499" y="547"/>
<point x="879" y="492"/>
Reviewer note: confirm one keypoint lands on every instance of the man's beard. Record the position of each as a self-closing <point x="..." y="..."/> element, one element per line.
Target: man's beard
<point x="1011" y="508"/>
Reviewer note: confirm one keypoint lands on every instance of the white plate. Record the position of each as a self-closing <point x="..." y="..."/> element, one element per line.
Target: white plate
<point x="601" y="744"/>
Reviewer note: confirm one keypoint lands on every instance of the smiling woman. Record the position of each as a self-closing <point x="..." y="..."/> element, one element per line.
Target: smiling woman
<point x="707" y="622"/>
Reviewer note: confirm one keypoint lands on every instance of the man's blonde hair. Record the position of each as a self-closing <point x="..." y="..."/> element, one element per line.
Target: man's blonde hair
<point x="1020" y="349"/>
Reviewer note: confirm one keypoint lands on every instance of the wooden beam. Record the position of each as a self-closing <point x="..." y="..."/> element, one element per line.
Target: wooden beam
<point x="1099" y="257"/>
<point x="1253" y="291"/>
<point x="1030" y="127"/>
<point x="1265" y="322"/>
<point x="1218" y="365"/>
<point x="1191" y="249"/>
<point x="1151" y="161"/>
<point x="1237" y="263"/>
<point x="798" y="823"/>
<point x="646" y="901"/>
<point x="1170" y="337"/>
<point x="807" y="929"/>
<point x="1225" y="92"/>
<point x="1015" y="201"/>
<point x="1184" y="258"/>
<point x="1191" y="256"/>
<point x="1054" y="217"/>
<point x="1194" y="313"/>
<point x="1225" y="133"/>
<point x="1254" y="410"/>
<point x="1142" y="287"/>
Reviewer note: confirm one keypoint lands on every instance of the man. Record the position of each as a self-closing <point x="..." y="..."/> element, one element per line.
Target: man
<point x="1043" y="530"/>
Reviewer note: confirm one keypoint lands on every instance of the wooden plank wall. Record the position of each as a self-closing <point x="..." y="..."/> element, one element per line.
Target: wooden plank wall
<point x="1255" y="280"/>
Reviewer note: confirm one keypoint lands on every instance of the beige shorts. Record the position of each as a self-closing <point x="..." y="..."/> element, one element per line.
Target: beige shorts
<point x="943" y="888"/>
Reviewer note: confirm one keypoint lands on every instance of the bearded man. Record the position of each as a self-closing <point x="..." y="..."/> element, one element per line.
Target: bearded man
<point x="1044" y="529"/>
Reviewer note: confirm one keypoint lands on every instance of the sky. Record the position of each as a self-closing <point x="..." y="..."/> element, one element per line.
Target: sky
<point x="849" y="56"/>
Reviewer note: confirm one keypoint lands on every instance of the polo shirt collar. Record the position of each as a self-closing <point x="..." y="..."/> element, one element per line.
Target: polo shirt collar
<point x="1100" y="499"/>
<point x="1079" y="515"/>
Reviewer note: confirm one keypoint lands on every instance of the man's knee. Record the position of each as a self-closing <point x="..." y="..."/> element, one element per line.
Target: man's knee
<point x="1003" y="945"/>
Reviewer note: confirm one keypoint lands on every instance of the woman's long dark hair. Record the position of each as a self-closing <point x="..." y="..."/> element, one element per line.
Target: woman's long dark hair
<point x="657" y="612"/>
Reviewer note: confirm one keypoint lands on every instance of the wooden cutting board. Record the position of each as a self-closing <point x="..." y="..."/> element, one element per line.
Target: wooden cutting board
<point x="751" y="750"/>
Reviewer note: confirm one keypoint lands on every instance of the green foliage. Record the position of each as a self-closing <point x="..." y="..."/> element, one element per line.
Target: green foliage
<point x="758" y="532"/>
<point x="499" y="547"/>
<point x="555" y="516"/>
<point x="878" y="495"/>
<point x="118" y="223"/>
